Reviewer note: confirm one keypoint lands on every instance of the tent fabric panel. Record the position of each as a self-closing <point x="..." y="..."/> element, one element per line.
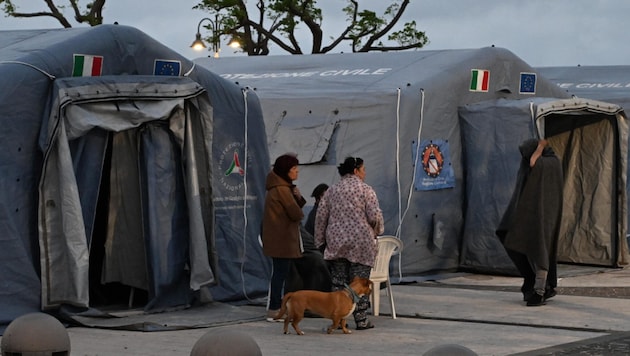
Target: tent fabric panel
<point x="587" y="233"/>
<point x="164" y="217"/>
<point x="20" y="285"/>
<point x="20" y="161"/>
<point x="623" y="258"/>
<point x="237" y="200"/>
<point x="88" y="153"/>
<point x="309" y="140"/>
<point x="125" y="258"/>
<point x="195" y="133"/>
<point x="64" y="250"/>
<point x="591" y="109"/>
<point x="491" y="133"/>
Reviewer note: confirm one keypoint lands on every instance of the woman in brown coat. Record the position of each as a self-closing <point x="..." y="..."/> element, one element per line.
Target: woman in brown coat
<point x="281" y="225"/>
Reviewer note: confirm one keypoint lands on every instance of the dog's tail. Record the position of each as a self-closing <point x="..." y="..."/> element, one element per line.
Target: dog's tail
<point x="283" y="308"/>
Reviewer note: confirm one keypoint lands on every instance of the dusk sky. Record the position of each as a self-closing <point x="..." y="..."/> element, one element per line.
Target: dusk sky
<point x="541" y="32"/>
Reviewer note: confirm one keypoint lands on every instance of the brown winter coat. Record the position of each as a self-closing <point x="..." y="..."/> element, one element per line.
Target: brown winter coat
<point x="281" y="220"/>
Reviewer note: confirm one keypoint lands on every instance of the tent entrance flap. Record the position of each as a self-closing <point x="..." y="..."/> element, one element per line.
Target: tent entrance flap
<point x="137" y="217"/>
<point x="587" y="145"/>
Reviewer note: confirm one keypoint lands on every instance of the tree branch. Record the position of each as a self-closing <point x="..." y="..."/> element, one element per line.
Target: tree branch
<point x="92" y="17"/>
<point x="315" y="28"/>
<point x="369" y="43"/>
<point x="272" y="37"/>
<point x="390" y="48"/>
<point x="344" y="34"/>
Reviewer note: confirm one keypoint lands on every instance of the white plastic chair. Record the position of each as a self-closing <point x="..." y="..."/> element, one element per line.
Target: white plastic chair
<point x="387" y="247"/>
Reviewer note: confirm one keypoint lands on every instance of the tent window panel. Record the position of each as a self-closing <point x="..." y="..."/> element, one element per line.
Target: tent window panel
<point x="308" y="138"/>
<point x="588" y="158"/>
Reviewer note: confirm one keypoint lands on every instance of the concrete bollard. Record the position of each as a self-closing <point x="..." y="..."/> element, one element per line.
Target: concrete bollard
<point x="35" y="334"/>
<point x="449" y="350"/>
<point x="225" y="343"/>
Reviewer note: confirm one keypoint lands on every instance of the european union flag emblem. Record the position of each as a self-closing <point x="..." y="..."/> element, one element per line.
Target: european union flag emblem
<point x="166" y="67"/>
<point x="528" y="83"/>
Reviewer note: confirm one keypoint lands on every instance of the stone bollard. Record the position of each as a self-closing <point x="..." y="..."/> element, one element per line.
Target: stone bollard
<point x="449" y="350"/>
<point x="225" y="343"/>
<point x="35" y="334"/>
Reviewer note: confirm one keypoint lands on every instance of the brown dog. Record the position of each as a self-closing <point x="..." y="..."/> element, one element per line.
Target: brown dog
<point x="336" y="306"/>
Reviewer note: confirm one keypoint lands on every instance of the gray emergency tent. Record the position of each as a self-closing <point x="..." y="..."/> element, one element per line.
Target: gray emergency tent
<point x="590" y="137"/>
<point x="124" y="167"/>
<point x="399" y="112"/>
<point x="606" y="83"/>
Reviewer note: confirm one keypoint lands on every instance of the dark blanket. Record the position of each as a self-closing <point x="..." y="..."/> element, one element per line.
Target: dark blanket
<point x="531" y="223"/>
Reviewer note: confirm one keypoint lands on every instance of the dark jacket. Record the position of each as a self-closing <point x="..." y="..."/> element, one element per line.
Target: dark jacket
<point x="310" y="220"/>
<point x="531" y="223"/>
<point x="281" y="219"/>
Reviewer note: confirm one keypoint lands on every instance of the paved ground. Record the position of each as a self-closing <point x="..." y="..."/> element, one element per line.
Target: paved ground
<point x="486" y="314"/>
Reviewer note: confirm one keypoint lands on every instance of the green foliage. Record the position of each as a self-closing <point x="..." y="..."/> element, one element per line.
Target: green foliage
<point x="7" y="7"/>
<point x="280" y="21"/>
<point x="409" y="36"/>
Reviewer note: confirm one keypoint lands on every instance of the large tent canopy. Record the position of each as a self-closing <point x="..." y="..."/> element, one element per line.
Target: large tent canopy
<point x="401" y="113"/>
<point x="125" y="168"/>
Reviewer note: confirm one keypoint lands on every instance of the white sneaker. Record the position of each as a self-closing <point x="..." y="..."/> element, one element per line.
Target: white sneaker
<point x="271" y="314"/>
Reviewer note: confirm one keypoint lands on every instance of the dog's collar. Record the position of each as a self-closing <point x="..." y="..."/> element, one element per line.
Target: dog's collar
<point x="353" y="295"/>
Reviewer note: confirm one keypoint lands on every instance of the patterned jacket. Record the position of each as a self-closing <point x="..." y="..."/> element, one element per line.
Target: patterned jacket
<point x="348" y="221"/>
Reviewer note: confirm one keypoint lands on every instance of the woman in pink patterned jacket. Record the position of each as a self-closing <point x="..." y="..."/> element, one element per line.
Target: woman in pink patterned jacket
<point x="348" y="221"/>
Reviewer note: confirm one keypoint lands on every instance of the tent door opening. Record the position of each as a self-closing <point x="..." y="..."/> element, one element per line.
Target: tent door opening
<point x="125" y="193"/>
<point x="141" y="210"/>
<point x="588" y="147"/>
<point x="105" y="293"/>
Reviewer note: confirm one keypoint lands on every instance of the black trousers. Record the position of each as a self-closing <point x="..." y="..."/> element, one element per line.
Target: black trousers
<point x="527" y="270"/>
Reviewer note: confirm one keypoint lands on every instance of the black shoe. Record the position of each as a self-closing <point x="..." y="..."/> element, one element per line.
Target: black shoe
<point x="536" y="300"/>
<point x="528" y="294"/>
<point x="550" y="293"/>
<point x="365" y="326"/>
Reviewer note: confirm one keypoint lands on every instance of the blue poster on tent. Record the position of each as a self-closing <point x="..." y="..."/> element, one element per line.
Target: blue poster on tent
<point x="433" y="169"/>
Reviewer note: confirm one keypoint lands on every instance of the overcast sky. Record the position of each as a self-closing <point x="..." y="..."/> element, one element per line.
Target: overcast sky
<point x="541" y="32"/>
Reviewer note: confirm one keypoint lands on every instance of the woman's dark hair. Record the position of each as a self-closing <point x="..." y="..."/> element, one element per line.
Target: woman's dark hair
<point x="283" y="165"/>
<point x="319" y="190"/>
<point x="349" y="165"/>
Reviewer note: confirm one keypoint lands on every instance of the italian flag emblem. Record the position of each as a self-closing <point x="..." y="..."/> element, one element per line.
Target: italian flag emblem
<point x="87" y="66"/>
<point x="235" y="167"/>
<point x="479" y="80"/>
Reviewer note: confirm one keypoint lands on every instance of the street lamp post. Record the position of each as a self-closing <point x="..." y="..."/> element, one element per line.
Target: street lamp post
<point x="215" y="27"/>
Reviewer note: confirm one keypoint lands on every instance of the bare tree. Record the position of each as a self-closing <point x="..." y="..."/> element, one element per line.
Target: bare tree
<point x="92" y="13"/>
<point x="277" y="22"/>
